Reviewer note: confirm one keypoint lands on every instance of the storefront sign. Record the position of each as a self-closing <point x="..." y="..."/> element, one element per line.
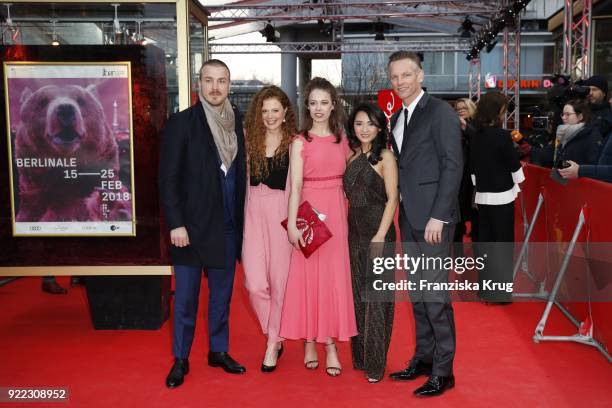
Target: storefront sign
<point x="493" y="81"/>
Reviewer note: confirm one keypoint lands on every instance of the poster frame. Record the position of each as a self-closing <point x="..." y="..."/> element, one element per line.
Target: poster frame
<point x="6" y="65"/>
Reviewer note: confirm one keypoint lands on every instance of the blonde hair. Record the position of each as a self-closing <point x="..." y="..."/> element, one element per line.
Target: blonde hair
<point x="469" y="104"/>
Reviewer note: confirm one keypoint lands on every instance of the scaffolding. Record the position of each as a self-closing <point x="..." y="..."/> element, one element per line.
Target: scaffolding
<point x="351" y="9"/>
<point x="577" y="38"/>
<point x="336" y="47"/>
<point x="474" y="81"/>
<point x="512" y="72"/>
<point x="436" y="11"/>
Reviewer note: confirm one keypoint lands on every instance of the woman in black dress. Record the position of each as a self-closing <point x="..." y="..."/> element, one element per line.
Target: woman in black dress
<point x="370" y="183"/>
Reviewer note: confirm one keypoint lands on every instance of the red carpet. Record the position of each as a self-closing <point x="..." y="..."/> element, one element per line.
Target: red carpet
<point x="48" y="340"/>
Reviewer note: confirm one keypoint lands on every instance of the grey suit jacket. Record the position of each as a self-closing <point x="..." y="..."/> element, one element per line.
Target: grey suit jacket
<point x="430" y="162"/>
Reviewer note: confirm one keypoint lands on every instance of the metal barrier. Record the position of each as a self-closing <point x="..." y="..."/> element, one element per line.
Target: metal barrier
<point x="586" y="199"/>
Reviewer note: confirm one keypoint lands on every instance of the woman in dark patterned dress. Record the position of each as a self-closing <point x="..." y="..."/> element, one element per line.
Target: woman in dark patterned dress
<point x="370" y="183"/>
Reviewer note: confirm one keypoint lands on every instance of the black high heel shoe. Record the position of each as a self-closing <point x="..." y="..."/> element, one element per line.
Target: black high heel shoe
<point x="331" y="370"/>
<point x="269" y="369"/>
<point x="280" y="352"/>
<point x="312" y="364"/>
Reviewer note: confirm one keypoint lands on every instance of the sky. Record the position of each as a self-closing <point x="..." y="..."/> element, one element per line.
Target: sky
<point x="267" y="67"/>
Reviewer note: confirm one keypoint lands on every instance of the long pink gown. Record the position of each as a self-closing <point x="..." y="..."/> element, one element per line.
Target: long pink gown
<point x="318" y="298"/>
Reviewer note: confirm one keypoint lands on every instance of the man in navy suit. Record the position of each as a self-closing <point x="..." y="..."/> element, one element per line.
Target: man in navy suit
<point x="426" y="138"/>
<point x="202" y="181"/>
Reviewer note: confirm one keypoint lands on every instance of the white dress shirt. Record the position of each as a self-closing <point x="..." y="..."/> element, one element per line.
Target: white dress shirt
<point x="398" y="131"/>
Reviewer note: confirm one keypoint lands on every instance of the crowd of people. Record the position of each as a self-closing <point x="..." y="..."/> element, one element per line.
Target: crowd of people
<point x="226" y="189"/>
<point x="582" y="146"/>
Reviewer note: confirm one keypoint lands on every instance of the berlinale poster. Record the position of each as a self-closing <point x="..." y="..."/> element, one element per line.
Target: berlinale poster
<point x="70" y="147"/>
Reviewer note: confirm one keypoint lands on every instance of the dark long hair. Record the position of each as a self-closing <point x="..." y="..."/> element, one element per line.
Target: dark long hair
<point x="336" y="119"/>
<point x="377" y="116"/>
<point x="488" y="108"/>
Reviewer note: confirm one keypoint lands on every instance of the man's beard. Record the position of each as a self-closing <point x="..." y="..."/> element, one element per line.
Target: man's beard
<point x="203" y="98"/>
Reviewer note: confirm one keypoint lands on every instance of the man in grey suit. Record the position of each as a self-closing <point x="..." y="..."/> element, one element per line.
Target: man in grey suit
<point x="426" y="138"/>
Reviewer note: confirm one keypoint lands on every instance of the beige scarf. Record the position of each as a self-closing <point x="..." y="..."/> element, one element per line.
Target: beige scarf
<point x="223" y="127"/>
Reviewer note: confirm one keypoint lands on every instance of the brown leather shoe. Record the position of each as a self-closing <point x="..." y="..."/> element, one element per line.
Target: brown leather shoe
<point x="53" y="287"/>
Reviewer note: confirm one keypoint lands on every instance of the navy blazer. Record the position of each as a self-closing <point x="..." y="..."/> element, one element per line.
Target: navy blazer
<point x="191" y="190"/>
<point x="430" y="162"/>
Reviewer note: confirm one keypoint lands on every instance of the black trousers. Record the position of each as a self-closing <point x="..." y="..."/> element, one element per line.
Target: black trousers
<point x="433" y="312"/>
<point x="496" y="223"/>
<point x="496" y="236"/>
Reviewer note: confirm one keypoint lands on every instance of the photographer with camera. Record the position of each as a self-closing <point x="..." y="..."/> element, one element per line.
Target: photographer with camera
<point x="577" y="139"/>
<point x="600" y="106"/>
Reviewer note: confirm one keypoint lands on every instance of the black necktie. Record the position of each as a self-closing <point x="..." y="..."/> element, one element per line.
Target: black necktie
<point x="405" y="129"/>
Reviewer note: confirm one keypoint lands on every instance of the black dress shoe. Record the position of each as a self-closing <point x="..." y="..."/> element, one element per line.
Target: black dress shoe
<point x="179" y="369"/>
<point x="269" y="369"/>
<point x="227" y="363"/>
<point x="435" y="385"/>
<point x="52" y="287"/>
<point x="414" y="369"/>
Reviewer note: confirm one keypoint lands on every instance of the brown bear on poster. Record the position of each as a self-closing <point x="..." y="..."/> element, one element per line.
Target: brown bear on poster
<point x="64" y="122"/>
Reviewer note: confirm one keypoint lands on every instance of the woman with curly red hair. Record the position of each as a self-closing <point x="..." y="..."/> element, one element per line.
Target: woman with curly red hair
<point x="270" y="126"/>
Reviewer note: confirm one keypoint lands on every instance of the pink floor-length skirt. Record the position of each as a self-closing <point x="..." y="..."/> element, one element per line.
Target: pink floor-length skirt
<point x="318" y="298"/>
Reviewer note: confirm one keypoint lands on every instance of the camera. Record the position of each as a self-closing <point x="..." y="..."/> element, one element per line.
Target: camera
<point x="577" y="91"/>
<point x="562" y="164"/>
<point x="540" y="123"/>
<point x="564" y="90"/>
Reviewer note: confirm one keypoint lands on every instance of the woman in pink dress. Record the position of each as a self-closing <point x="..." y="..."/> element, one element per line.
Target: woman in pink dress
<point x="318" y="304"/>
<point x="270" y="125"/>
